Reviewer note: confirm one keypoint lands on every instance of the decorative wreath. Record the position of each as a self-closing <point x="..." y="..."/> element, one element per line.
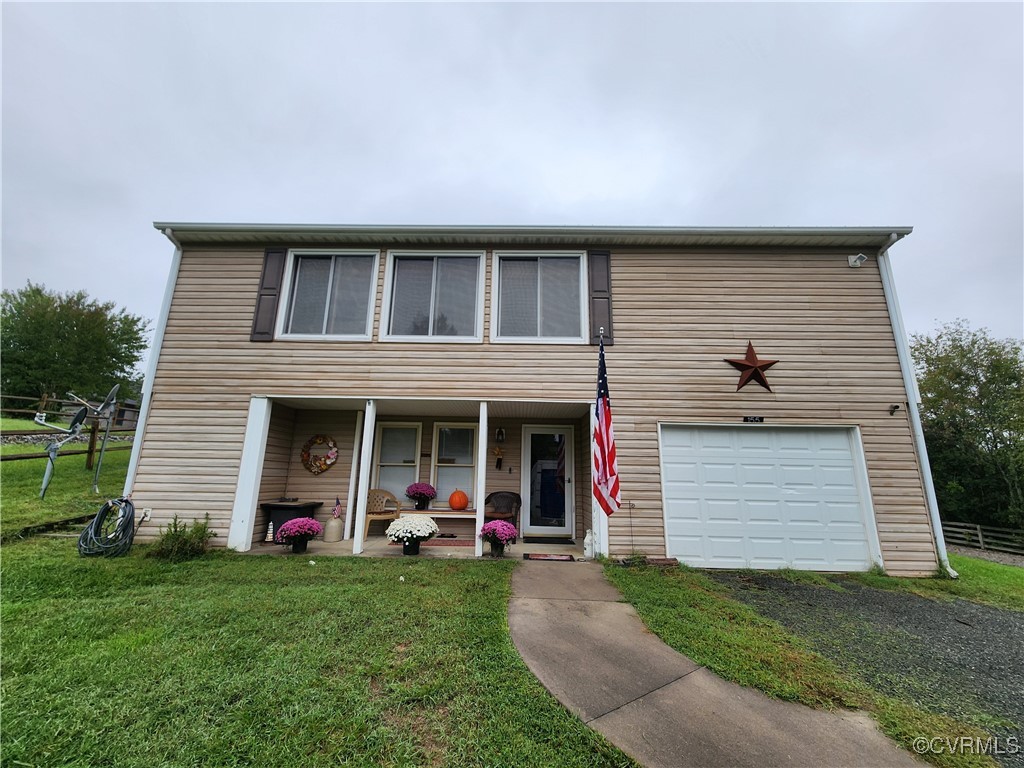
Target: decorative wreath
<point x="318" y="464"/>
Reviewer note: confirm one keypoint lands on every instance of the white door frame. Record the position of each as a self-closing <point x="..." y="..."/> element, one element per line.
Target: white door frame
<point x="569" y="529"/>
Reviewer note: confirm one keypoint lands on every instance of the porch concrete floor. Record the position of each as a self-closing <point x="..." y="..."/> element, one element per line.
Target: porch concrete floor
<point x="379" y="546"/>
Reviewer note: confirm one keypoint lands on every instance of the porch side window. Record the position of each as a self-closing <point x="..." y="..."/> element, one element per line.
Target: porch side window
<point x="540" y="297"/>
<point x="331" y="294"/>
<point x="434" y="297"/>
<point x="454" y="458"/>
<point x="398" y="458"/>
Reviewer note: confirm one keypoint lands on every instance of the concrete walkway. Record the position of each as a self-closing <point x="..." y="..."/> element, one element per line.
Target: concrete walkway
<point x="593" y="653"/>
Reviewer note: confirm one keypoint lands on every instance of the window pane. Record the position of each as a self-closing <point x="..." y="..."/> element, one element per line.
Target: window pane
<point x="309" y="297"/>
<point x="410" y="297"/>
<point x="560" y="297"/>
<point x="547" y="480"/>
<point x="398" y="446"/>
<point x="450" y="478"/>
<point x="350" y="295"/>
<point x="455" y="306"/>
<point x="396" y="480"/>
<point x="517" y="303"/>
<point x="454" y="445"/>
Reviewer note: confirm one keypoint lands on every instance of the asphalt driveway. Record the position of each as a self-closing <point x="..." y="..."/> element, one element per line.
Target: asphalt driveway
<point x="955" y="657"/>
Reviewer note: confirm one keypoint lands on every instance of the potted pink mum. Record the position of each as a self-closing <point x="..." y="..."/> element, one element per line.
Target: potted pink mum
<point x="499" y="534"/>
<point x="297" y="532"/>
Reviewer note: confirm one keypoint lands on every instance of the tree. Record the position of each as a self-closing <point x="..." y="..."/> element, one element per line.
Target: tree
<point x="56" y="343"/>
<point x="972" y="411"/>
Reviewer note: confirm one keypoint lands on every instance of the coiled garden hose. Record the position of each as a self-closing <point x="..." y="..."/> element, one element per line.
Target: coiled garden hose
<point x="111" y="532"/>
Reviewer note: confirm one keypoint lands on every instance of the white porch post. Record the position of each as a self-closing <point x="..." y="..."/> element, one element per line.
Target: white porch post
<point x="254" y="448"/>
<point x="481" y="477"/>
<point x="365" y="458"/>
<point x="598" y="519"/>
<point x="353" y="486"/>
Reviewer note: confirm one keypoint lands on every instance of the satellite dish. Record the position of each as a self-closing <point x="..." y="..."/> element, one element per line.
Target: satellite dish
<point x="109" y="401"/>
<point x="79" y="418"/>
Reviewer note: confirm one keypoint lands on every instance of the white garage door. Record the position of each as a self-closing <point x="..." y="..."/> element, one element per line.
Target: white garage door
<point x="765" y="497"/>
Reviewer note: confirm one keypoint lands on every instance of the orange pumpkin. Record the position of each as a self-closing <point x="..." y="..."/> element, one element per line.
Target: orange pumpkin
<point x="458" y="499"/>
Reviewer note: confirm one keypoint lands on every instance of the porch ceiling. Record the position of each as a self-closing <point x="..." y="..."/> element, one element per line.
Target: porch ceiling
<point x="459" y="409"/>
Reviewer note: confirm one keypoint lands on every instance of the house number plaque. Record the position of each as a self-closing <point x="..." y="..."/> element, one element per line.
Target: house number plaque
<point x="753" y="419"/>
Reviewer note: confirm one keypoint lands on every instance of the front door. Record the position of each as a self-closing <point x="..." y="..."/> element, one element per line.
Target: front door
<point x="547" y="482"/>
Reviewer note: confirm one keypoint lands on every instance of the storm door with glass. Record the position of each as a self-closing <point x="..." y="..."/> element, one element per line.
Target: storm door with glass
<point x="547" y="488"/>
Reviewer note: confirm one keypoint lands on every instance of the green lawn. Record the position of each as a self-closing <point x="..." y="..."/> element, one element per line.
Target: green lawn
<point x="980" y="580"/>
<point x="259" y="660"/>
<point x="271" y="661"/>
<point x="696" y="616"/>
<point x="69" y="494"/>
<point x="10" y="423"/>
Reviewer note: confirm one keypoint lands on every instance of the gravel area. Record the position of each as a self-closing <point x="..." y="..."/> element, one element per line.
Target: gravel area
<point x="1006" y="558"/>
<point x="955" y="657"/>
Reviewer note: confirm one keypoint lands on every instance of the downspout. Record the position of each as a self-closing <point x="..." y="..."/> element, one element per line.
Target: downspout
<point x="154" y="356"/>
<point x="913" y="398"/>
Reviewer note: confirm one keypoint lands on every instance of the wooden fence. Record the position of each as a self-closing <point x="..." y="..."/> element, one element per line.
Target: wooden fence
<point x="126" y="416"/>
<point x="983" y="537"/>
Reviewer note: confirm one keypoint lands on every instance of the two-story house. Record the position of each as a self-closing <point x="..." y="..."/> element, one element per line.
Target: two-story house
<point x="760" y="379"/>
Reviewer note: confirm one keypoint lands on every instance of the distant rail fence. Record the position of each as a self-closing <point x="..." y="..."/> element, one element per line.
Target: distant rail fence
<point x="984" y="537"/>
<point x="126" y="413"/>
<point x="123" y="421"/>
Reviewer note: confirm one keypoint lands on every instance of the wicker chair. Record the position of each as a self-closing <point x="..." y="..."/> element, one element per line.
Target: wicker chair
<point x="377" y="501"/>
<point x="505" y="505"/>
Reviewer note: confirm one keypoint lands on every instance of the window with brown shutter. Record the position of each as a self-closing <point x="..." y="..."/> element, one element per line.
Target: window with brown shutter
<point x="599" y="264"/>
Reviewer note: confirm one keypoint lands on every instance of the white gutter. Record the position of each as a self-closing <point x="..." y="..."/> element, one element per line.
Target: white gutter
<point x="154" y="356"/>
<point x="913" y="398"/>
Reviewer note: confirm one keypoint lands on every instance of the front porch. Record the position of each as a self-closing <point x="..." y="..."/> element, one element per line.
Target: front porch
<point x="379" y="546"/>
<point x="539" y="450"/>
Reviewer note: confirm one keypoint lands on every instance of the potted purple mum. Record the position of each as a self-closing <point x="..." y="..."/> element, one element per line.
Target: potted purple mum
<point x="298" y="532"/>
<point x="421" y="493"/>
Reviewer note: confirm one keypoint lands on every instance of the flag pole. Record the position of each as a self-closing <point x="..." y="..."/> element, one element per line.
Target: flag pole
<point x="606" y="492"/>
<point x="604" y="523"/>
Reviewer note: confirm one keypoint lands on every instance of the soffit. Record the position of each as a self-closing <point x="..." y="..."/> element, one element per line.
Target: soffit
<point x="465" y="410"/>
<point x="263" y="235"/>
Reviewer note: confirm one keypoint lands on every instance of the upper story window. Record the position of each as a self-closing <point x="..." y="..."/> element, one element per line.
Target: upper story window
<point x="539" y="296"/>
<point x="330" y="293"/>
<point x="433" y="296"/>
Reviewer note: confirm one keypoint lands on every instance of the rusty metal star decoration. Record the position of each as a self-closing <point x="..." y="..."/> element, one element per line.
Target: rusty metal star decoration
<point x="751" y="368"/>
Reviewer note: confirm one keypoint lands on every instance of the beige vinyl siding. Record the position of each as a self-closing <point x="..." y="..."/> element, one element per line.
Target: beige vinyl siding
<point x="276" y="460"/>
<point x="676" y="315"/>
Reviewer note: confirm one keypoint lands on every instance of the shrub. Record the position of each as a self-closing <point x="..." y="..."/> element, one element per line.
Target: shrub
<point x="181" y="541"/>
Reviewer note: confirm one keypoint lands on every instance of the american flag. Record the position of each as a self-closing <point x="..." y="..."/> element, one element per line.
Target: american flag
<point x="337" y="507"/>
<point x="606" y="468"/>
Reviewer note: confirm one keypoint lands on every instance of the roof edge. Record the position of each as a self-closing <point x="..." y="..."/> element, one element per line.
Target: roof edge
<point x="239" y="233"/>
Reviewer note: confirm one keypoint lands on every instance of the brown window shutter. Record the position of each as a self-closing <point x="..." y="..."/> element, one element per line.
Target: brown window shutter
<point x="270" y="293"/>
<point x="600" y="267"/>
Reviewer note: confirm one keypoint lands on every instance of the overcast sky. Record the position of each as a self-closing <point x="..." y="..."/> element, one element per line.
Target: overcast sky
<point x="589" y="114"/>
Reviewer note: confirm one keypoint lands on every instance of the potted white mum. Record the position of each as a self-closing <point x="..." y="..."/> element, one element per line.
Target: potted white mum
<point x="411" y="530"/>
